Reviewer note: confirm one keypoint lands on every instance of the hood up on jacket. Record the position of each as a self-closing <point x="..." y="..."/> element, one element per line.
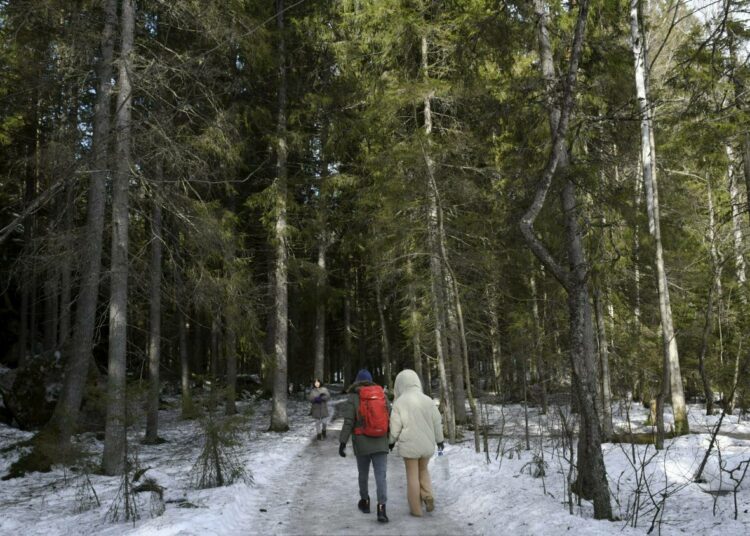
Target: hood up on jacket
<point x="405" y="380"/>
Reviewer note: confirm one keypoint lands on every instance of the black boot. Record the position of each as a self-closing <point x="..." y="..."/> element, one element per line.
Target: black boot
<point x="364" y="505"/>
<point x="319" y="437"/>
<point x="324" y="433"/>
<point x="381" y="513"/>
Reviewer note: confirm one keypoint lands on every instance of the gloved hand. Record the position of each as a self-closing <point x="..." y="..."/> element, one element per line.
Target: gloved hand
<point x="342" y="448"/>
<point x="441" y="446"/>
<point x="391" y="445"/>
<point x="318" y="399"/>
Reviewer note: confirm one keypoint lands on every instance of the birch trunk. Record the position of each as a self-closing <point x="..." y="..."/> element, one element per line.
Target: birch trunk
<point x="113" y="458"/>
<point x="154" y="345"/>
<point x="648" y="158"/>
<point x="739" y="259"/>
<point x="279" y="420"/>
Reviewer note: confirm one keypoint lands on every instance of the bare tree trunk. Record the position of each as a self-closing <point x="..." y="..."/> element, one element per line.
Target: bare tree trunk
<point x="592" y="477"/>
<point x="187" y="398"/>
<point x="279" y="421"/>
<point x="736" y="202"/>
<point x="414" y="322"/>
<point x="606" y="390"/>
<point x="671" y="355"/>
<point x="494" y="340"/>
<point x="65" y="417"/>
<point x="439" y="299"/>
<point x="538" y="336"/>
<point x="230" y="407"/>
<point x="66" y="269"/>
<point x="454" y="338"/>
<point x="320" y="309"/>
<point x="154" y="344"/>
<point x="348" y="336"/>
<point x="385" y="347"/>
<point x="114" y="434"/>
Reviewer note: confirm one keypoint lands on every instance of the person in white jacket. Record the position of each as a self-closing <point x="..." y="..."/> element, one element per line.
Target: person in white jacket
<point x="415" y="428"/>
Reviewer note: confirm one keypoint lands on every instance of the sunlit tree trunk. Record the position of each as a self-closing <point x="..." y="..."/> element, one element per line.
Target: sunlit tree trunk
<point x="648" y="160"/>
<point x="437" y="277"/>
<point x="113" y="458"/>
<point x="736" y="202"/>
<point x="592" y="476"/>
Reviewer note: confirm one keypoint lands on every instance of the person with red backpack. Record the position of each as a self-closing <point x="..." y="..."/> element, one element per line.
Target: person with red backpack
<point x="366" y="414"/>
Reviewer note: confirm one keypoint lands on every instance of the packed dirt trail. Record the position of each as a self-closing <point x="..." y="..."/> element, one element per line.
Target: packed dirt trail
<point x="326" y="501"/>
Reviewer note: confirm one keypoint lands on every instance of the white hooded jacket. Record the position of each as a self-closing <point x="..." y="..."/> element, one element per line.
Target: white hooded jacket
<point x="416" y="426"/>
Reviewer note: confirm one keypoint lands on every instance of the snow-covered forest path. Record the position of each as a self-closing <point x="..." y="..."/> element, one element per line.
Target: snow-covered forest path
<point x="325" y="495"/>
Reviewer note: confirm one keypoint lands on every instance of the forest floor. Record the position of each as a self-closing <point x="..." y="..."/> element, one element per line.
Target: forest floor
<point x="301" y="486"/>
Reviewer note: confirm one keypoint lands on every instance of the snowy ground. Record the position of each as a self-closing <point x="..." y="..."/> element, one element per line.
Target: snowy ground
<point x="302" y="486"/>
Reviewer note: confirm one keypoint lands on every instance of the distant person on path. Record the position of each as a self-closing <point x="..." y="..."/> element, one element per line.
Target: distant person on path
<point x="365" y="415"/>
<point x="415" y="428"/>
<point x="319" y="397"/>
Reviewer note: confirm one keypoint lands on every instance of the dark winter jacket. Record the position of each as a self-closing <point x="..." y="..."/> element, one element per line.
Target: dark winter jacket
<point x="319" y="396"/>
<point x="363" y="445"/>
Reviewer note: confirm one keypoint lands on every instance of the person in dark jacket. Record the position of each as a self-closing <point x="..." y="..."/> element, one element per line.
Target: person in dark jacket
<point x="319" y="397"/>
<point x="367" y="450"/>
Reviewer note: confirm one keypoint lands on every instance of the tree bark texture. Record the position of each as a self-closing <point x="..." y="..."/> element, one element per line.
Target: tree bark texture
<point x="437" y="278"/>
<point x="648" y="160"/>
<point x="113" y="458"/>
<point x="279" y="420"/>
<point x="154" y="343"/>
<point x="65" y="417"/>
<point x="592" y="477"/>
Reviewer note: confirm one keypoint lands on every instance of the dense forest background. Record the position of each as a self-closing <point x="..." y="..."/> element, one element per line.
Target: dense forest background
<point x="526" y="199"/>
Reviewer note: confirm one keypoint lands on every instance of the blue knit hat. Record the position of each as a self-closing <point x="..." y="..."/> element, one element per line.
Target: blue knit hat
<point x="363" y="376"/>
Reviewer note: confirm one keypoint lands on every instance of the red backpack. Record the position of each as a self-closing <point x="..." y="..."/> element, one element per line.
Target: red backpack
<point x="372" y="414"/>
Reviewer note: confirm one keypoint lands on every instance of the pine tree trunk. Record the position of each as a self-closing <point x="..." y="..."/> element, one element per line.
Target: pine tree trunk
<point x="182" y="335"/>
<point x="348" y="347"/>
<point x="671" y="355"/>
<point x="279" y="421"/>
<point x="230" y="406"/>
<point x="114" y="434"/>
<point x="415" y="327"/>
<point x="385" y="347"/>
<point x="154" y="344"/>
<point x="320" y="310"/>
<point x="439" y="298"/>
<point x="65" y="417"/>
<point x="495" y="341"/>
<point x="66" y="269"/>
